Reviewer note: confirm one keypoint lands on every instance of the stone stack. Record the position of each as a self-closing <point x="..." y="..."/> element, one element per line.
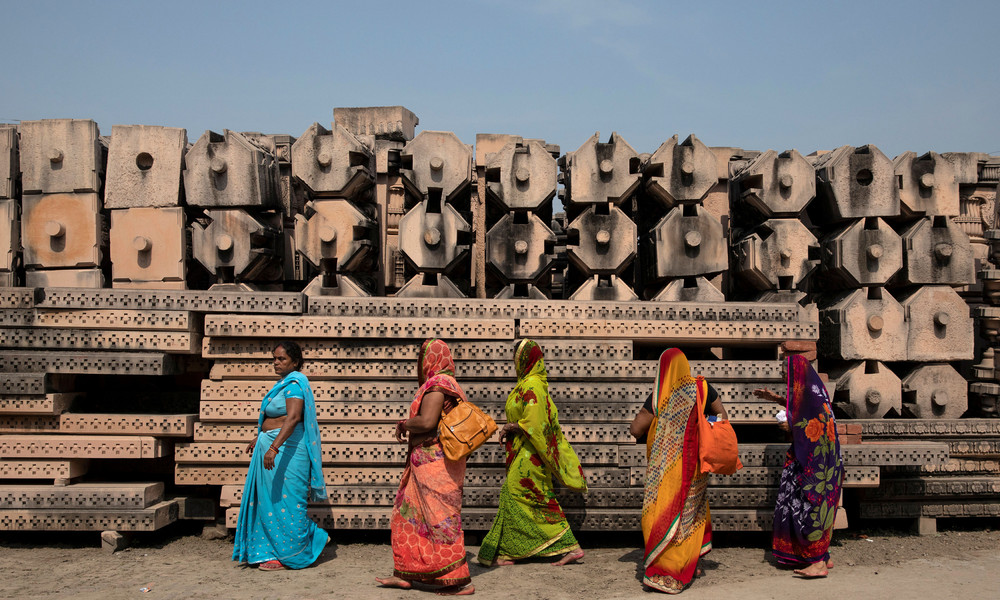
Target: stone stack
<point x="10" y="207"/>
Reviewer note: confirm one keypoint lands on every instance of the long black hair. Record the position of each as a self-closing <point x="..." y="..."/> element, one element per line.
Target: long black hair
<point x="293" y="350"/>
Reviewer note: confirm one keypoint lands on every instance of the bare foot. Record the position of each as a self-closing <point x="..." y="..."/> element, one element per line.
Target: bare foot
<point x="815" y="570"/>
<point x="394" y="582"/>
<point x="829" y="563"/>
<point x="570" y="557"/>
<point x="457" y="590"/>
<point x="698" y="572"/>
<point x="502" y="562"/>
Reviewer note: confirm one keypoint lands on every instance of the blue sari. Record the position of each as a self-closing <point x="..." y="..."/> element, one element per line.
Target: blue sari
<point x="273" y="522"/>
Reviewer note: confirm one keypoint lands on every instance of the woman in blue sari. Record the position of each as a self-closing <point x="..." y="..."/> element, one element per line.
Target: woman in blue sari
<point x="274" y="530"/>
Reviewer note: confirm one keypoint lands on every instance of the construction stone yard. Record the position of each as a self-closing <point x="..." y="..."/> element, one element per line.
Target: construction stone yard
<point x="146" y="279"/>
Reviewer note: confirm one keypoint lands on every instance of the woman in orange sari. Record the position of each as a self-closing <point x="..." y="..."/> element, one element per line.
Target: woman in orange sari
<point x="428" y="545"/>
<point x="676" y="524"/>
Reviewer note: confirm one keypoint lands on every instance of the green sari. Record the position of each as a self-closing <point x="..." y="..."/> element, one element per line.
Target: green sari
<point x="530" y="521"/>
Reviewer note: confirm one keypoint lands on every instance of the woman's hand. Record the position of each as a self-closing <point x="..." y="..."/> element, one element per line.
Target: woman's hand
<point x="269" y="457"/>
<point x="508" y="430"/>
<point x="401" y="431"/>
<point x="769" y="395"/>
<point x="250" y="447"/>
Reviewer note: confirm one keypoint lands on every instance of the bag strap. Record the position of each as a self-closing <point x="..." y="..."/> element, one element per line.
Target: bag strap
<point x="702" y="387"/>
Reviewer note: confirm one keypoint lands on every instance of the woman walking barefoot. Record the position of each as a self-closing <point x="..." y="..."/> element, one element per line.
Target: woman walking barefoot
<point x="813" y="474"/>
<point x="428" y="545"/>
<point x="529" y="520"/>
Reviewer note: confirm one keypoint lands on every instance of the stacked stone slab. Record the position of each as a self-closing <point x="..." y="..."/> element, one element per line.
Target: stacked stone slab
<point x="89" y="394"/>
<point x="517" y="180"/>
<point x="10" y="207"/>
<point x="235" y="180"/>
<point x="149" y="242"/>
<point x="600" y="179"/>
<point x="64" y="232"/>
<point x="967" y="485"/>
<point x="684" y="228"/>
<point x="980" y="219"/>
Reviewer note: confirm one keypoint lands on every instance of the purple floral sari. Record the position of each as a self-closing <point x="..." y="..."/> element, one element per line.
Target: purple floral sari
<point x="810" y="482"/>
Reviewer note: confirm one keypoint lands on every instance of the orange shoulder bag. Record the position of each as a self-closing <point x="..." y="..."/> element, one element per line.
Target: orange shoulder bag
<point x="718" y="451"/>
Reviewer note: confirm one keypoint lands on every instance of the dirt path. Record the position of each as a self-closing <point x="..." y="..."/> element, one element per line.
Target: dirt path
<point x="955" y="564"/>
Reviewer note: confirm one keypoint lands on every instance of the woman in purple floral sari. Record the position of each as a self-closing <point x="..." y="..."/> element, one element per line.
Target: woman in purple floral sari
<point x="810" y="482"/>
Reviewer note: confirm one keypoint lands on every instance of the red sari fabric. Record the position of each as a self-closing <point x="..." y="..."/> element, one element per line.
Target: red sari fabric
<point x="428" y="544"/>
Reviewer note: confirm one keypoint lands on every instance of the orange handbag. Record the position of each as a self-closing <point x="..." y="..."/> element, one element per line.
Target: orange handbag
<point x="718" y="451"/>
<point x="463" y="429"/>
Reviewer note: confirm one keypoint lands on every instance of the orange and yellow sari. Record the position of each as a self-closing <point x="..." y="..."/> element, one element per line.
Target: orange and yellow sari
<point x="676" y="524"/>
<point x="428" y="544"/>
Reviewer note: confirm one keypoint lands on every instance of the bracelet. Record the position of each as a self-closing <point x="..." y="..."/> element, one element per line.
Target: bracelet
<point x="273" y="448"/>
<point x="401" y="424"/>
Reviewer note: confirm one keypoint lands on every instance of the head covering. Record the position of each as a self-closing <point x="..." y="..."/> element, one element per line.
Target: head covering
<point x="528" y="360"/>
<point x="437" y="368"/>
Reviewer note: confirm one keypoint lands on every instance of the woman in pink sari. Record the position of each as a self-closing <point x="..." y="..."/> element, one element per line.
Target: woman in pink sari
<point x="428" y="545"/>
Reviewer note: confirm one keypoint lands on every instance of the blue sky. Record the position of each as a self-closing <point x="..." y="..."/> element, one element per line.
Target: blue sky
<point x="807" y="75"/>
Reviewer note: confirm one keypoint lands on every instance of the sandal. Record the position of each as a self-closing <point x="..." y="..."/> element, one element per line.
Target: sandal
<point x="271" y="565"/>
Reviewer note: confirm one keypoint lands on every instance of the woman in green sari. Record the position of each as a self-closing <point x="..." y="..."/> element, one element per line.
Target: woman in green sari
<point x="530" y="521"/>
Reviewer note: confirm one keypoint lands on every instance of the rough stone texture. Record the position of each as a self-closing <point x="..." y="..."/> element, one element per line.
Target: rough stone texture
<point x="520" y="248"/>
<point x="601" y="289"/>
<point x="64" y="278"/>
<point x="62" y="230"/>
<point x="966" y="165"/>
<point x="432" y="285"/>
<point x="597" y="172"/>
<point x="434" y="238"/>
<point x="852" y="183"/>
<point x="688" y="241"/>
<point x="144" y="166"/>
<point x="230" y="170"/>
<point x="866" y="390"/>
<point x="521" y="291"/>
<point x="10" y="234"/>
<point x="863" y="324"/>
<point x="384" y="122"/>
<point x="148" y="244"/>
<point x="61" y="156"/>
<point x="332" y="163"/>
<point x="9" y="165"/>
<point x="866" y="252"/>
<point x="437" y="162"/>
<point x="937" y="252"/>
<point x="521" y="175"/>
<point x="690" y="289"/>
<point x="777" y="255"/>
<point x="602" y="240"/>
<point x="335" y="284"/>
<point x="334" y="230"/>
<point x="235" y="239"/>
<point x="939" y="325"/>
<point x="935" y="391"/>
<point x="777" y="185"/>
<point x="682" y="172"/>
<point x="928" y="185"/>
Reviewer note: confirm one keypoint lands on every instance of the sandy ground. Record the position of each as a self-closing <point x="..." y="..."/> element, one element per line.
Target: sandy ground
<point x="870" y="564"/>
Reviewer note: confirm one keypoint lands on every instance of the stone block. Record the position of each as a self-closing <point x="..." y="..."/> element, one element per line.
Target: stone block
<point x="432" y="285"/>
<point x="937" y="252"/>
<point x="521" y="176"/>
<point x="866" y="390"/>
<point x="928" y="185"/>
<point x="852" y="183"/>
<point x="62" y="230"/>
<point x="690" y="289"/>
<point x="144" y="166"/>
<point x="681" y="172"/>
<point x="9" y="162"/>
<point x="64" y="278"/>
<point x="10" y="234"/>
<point x="61" y="156"/>
<point x="687" y="242"/>
<point x="148" y="244"/>
<point x="384" y="122"/>
<point x="488" y="143"/>
<point x="335" y="231"/>
<point x="777" y="185"/>
<point x="864" y="253"/>
<point x="939" y="326"/>
<point x="434" y="236"/>
<point x="598" y="173"/>
<point x="935" y="391"/>
<point x="866" y="324"/>
<point x="436" y="163"/>
<point x="230" y="170"/>
<point x="234" y="239"/>
<point x="778" y="255"/>
<point x="520" y="247"/>
<point x="604" y="289"/>
<point x="333" y="163"/>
